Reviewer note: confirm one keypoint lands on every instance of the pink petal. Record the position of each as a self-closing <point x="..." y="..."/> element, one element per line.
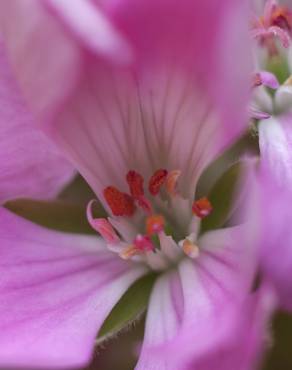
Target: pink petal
<point x="45" y="59"/>
<point x="30" y="164"/>
<point x="56" y="290"/>
<point x="239" y="339"/>
<point x="199" y="36"/>
<point x="275" y="139"/>
<point x="91" y="28"/>
<point x="269" y="79"/>
<point x="271" y="212"/>
<point x="198" y="296"/>
<point x="116" y="125"/>
<point x="48" y="43"/>
<point x="162" y="323"/>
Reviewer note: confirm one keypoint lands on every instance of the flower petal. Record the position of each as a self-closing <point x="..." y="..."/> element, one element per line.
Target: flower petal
<point x="92" y="28"/>
<point x="275" y="139"/>
<point x="238" y="340"/>
<point x="163" y="319"/>
<point x="30" y="164"/>
<point x="118" y="123"/>
<point x="183" y="32"/>
<point x="196" y="297"/>
<point x="40" y="31"/>
<point x="270" y="211"/>
<point x="56" y="290"/>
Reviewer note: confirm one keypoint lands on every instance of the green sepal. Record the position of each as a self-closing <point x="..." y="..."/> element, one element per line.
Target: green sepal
<point x="129" y="308"/>
<point x="56" y="214"/>
<point x="279" y="67"/>
<point x="222" y="196"/>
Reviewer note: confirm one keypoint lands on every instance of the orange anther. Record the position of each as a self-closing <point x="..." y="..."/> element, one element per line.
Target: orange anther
<point x="120" y="203"/>
<point x="154" y="224"/>
<point x="157" y="180"/>
<point x="202" y="207"/>
<point x="171" y="181"/>
<point x="190" y="249"/>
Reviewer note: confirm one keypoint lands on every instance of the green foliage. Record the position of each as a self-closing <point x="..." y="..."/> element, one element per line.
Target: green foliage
<point x="279" y="67"/>
<point x="129" y="308"/>
<point x="56" y="214"/>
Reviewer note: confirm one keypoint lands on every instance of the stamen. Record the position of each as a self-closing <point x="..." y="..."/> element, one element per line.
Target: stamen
<point x="120" y="203"/>
<point x="190" y="249"/>
<point x="157" y="180"/>
<point x="106" y="230"/>
<point x="154" y="224"/>
<point x="101" y="225"/>
<point x="171" y="182"/>
<point x="202" y="207"/>
<point x="135" y="181"/>
<point x="129" y="252"/>
<point x="143" y="243"/>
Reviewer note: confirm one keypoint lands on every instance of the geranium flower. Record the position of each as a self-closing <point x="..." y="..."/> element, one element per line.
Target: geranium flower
<point x="142" y="96"/>
<point x="273" y="186"/>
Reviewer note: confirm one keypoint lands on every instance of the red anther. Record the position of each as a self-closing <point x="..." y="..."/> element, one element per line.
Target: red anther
<point x="157" y="180"/>
<point x="135" y="181"/>
<point x="154" y="224"/>
<point x="120" y="203"/>
<point x="202" y="207"/>
<point x="143" y="243"/>
<point x="144" y="204"/>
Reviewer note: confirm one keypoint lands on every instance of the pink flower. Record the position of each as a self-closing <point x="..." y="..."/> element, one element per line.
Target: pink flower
<point x="141" y="96"/>
<point x="270" y="207"/>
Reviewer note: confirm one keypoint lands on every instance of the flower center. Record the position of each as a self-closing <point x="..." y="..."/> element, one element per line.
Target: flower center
<point x="154" y="224"/>
<point x="276" y="22"/>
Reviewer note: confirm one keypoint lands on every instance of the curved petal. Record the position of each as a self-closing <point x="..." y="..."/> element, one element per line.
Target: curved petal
<point x="196" y="297"/>
<point x="91" y="28"/>
<point x="30" y="164"/>
<point x="275" y="139"/>
<point x="271" y="212"/>
<point x="120" y="122"/>
<point x="271" y="206"/>
<point x="56" y="290"/>
<point x="33" y="41"/>
<point x="183" y="32"/>
<point x="240" y="338"/>
<point x="42" y="30"/>
<point x="163" y="319"/>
